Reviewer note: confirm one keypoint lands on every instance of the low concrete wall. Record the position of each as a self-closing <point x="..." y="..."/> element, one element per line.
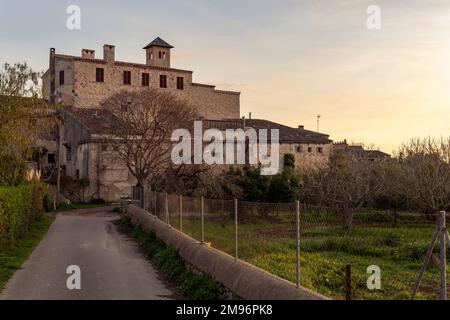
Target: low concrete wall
<point x="243" y="279"/>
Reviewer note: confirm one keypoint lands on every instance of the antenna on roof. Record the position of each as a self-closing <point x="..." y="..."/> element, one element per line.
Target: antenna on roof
<point x="318" y="122"/>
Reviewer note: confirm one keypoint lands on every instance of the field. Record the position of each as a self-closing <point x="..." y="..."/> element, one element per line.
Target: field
<point x="397" y="246"/>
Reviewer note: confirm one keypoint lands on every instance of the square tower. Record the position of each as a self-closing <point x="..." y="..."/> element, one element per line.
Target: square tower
<point x="158" y="53"/>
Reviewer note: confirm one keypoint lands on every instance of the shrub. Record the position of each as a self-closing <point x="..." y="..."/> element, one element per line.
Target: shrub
<point x="391" y="239"/>
<point x="97" y="201"/>
<point x="19" y="207"/>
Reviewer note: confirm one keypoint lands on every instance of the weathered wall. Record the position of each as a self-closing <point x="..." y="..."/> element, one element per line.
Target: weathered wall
<point x="243" y="279"/>
<point x="64" y="93"/>
<point x="81" y="89"/>
<point x="305" y="159"/>
<point x="214" y="104"/>
<point x="109" y="178"/>
<point x="89" y="93"/>
<point x="72" y="134"/>
<point x="115" y="178"/>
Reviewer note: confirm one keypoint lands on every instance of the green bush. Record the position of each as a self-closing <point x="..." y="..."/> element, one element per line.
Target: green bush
<point x="97" y="201"/>
<point x="19" y="207"/>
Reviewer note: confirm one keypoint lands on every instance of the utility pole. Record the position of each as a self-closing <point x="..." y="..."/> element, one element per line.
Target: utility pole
<point x="58" y="166"/>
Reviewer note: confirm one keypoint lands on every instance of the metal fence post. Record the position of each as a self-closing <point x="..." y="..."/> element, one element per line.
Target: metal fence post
<point x="167" y="209"/>
<point x="203" y="220"/>
<point x="443" y="256"/>
<point x="297" y="204"/>
<point x="181" y="213"/>
<point x="348" y="282"/>
<point x="235" y="229"/>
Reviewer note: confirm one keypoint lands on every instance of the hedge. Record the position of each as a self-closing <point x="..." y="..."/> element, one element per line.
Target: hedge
<point x="19" y="207"/>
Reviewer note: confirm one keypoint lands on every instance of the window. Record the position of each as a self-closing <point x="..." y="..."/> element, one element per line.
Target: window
<point x="164" y="55"/>
<point x="320" y="150"/>
<point x="310" y="149"/>
<point x="151" y="55"/>
<point x="299" y="149"/>
<point x="51" y="159"/>
<point x="180" y="83"/>
<point x="100" y="75"/>
<point x="160" y="55"/>
<point x="163" y="81"/>
<point x="127" y="77"/>
<point x="61" y="77"/>
<point x="77" y="174"/>
<point x="145" y="79"/>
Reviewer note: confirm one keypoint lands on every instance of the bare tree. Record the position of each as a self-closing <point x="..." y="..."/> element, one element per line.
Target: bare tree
<point x="346" y="184"/>
<point x="200" y="180"/>
<point x="393" y="195"/>
<point x="141" y="129"/>
<point x="426" y="168"/>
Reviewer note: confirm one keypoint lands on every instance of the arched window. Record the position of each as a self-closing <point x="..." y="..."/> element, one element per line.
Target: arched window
<point x="164" y="55"/>
<point x="160" y="55"/>
<point x="151" y="55"/>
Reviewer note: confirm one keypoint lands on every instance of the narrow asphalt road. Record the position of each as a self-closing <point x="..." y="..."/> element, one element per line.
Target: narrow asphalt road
<point x="111" y="264"/>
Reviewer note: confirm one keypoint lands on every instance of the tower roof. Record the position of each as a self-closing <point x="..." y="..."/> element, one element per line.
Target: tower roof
<point x="158" y="42"/>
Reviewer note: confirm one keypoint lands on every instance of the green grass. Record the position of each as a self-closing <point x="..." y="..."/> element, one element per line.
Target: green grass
<point x="13" y="257"/>
<point x="326" y="248"/>
<point x="166" y="259"/>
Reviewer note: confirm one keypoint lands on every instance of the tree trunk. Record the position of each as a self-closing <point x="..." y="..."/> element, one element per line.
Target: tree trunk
<point x="348" y="213"/>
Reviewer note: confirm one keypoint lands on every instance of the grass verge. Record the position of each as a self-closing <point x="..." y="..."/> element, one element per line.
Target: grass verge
<point x="13" y="257"/>
<point x="167" y="260"/>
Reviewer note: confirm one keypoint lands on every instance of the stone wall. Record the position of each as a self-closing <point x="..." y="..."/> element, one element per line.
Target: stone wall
<point x="304" y="159"/>
<point x="116" y="180"/>
<point x="215" y="104"/>
<point x="64" y="93"/>
<point x="81" y="89"/>
<point x="243" y="279"/>
<point x="89" y="93"/>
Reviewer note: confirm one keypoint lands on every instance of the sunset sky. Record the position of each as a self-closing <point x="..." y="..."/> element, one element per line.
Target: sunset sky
<point x="292" y="60"/>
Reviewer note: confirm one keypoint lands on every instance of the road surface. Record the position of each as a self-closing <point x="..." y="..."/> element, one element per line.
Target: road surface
<point x="111" y="264"/>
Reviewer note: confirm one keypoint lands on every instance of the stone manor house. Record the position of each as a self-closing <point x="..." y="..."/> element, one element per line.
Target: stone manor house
<point x="82" y="82"/>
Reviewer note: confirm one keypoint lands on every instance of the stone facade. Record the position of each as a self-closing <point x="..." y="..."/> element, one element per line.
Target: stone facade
<point x="81" y="88"/>
<point x="82" y="83"/>
<point x="311" y="150"/>
<point x="86" y="153"/>
<point x="307" y="155"/>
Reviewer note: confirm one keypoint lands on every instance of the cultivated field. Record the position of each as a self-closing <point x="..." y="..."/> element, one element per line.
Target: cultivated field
<point x="397" y="245"/>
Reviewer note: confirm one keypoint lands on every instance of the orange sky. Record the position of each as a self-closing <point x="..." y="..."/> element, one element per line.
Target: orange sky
<point x="292" y="59"/>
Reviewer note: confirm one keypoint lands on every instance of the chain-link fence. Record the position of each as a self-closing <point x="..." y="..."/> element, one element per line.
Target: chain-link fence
<point x="365" y="255"/>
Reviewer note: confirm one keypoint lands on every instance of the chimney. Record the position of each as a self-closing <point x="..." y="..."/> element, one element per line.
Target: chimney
<point x="88" y="54"/>
<point x="301" y="127"/>
<point x="52" y="75"/>
<point x="109" y="53"/>
<point x="250" y="115"/>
